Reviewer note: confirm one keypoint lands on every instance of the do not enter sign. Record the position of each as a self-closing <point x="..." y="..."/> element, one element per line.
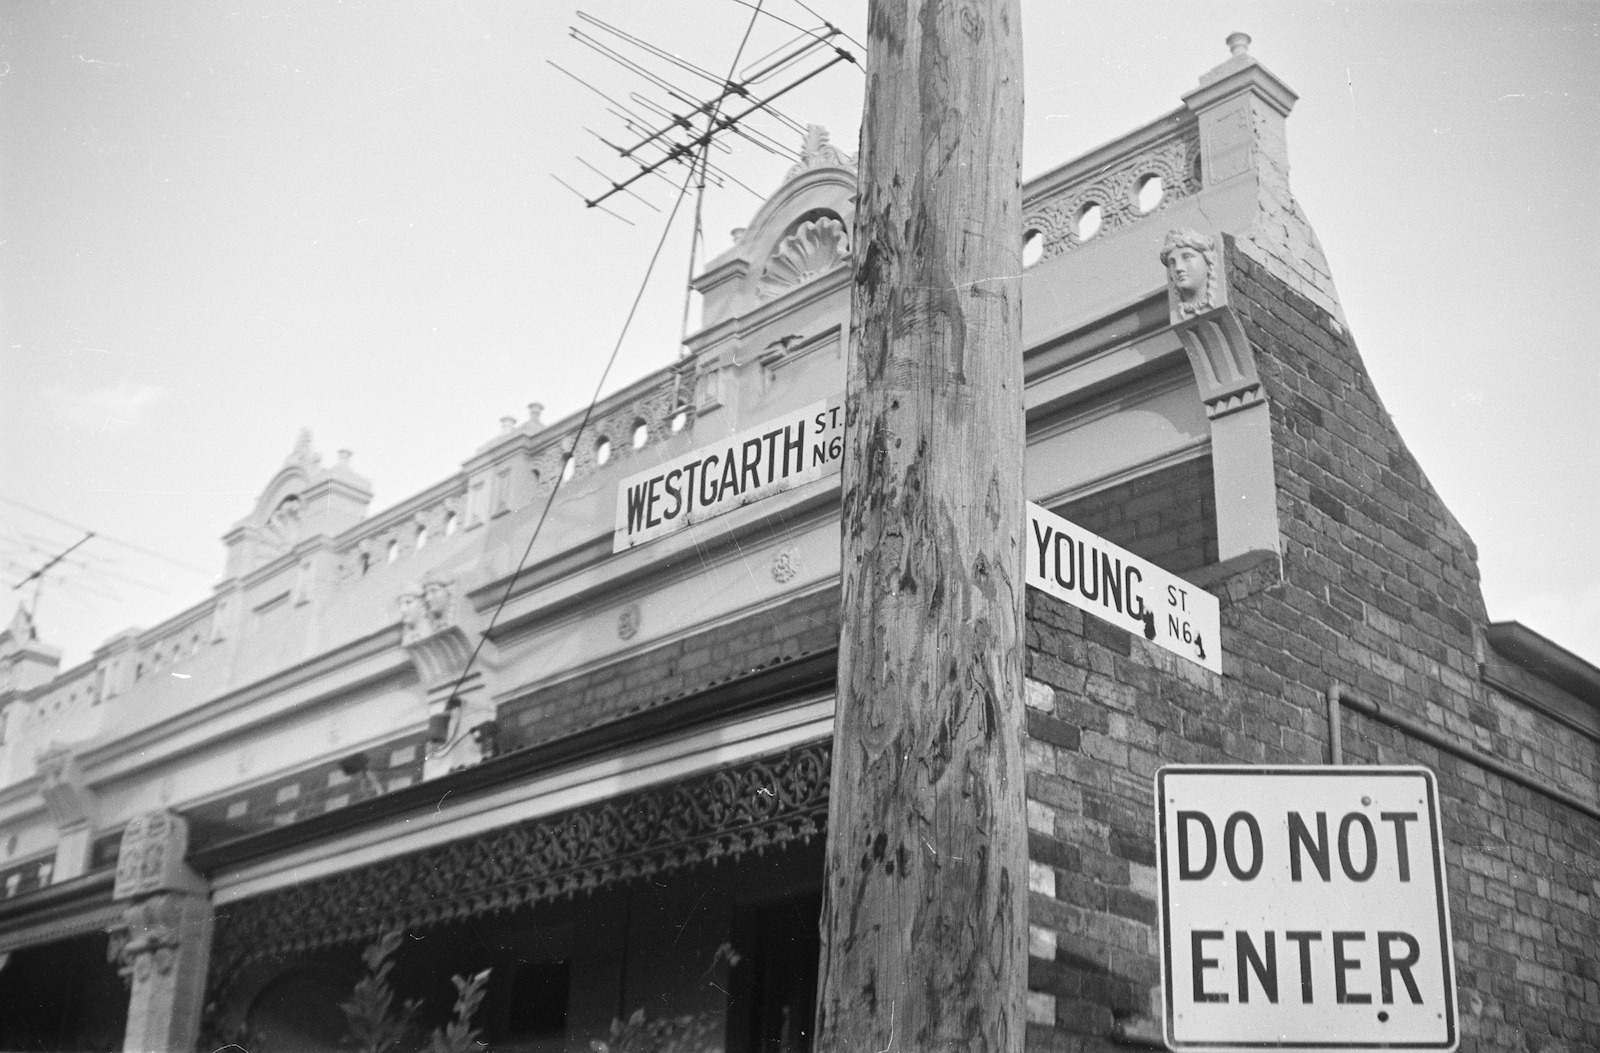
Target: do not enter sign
<point x="1304" y="908"/>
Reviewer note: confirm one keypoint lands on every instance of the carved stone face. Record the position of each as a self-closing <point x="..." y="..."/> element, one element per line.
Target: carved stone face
<point x="1186" y="269"/>
<point x="436" y="597"/>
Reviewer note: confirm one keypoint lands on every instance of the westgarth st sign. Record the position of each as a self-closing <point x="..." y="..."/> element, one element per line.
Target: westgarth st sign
<point x="742" y="469"/>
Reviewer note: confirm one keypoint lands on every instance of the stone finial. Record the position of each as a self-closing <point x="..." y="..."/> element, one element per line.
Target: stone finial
<point x="22" y="630"/>
<point x="817" y="152"/>
<point x="535" y="412"/>
<point x="344" y="458"/>
<point x="302" y="453"/>
<point x="1194" y="273"/>
<point x="1239" y="43"/>
<point x="506" y="424"/>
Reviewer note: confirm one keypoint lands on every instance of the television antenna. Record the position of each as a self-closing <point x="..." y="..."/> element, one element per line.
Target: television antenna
<point x="676" y="113"/>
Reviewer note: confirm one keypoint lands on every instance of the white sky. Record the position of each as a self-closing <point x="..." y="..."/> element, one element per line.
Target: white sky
<point x="221" y="223"/>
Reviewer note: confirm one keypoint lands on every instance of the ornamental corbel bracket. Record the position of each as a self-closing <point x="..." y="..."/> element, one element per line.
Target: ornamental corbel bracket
<point x="1212" y="335"/>
<point x="67" y="796"/>
<point x="439" y="632"/>
<point x="1224" y="365"/>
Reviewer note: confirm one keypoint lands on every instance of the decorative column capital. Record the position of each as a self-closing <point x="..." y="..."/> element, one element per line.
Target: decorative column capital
<point x="147" y="937"/>
<point x="161" y="946"/>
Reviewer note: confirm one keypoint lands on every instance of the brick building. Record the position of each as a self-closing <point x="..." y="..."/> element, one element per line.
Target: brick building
<point x="617" y="803"/>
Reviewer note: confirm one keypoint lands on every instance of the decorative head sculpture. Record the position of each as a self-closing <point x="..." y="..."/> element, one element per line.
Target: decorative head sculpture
<point x="1194" y="273"/>
<point x="436" y="596"/>
<point x="413" y="616"/>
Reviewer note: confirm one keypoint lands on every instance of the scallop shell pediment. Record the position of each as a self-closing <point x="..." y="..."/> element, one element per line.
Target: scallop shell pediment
<point x="816" y="247"/>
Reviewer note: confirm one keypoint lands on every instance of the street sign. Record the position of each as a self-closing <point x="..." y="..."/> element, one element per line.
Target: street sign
<point x="1303" y="908"/>
<point x="744" y="468"/>
<point x="1130" y="592"/>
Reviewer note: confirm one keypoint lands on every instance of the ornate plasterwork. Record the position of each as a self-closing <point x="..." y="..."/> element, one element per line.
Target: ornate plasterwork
<point x="150" y="858"/>
<point x="67" y="797"/>
<point x="147" y="937"/>
<point x="785" y="565"/>
<point x="432" y="633"/>
<point x="427" y="609"/>
<point x="628" y="621"/>
<point x="1193" y="263"/>
<point x="1115" y="190"/>
<point x="815" y="247"/>
<point x="1212" y="335"/>
<point x="760" y="804"/>
<point x="817" y="152"/>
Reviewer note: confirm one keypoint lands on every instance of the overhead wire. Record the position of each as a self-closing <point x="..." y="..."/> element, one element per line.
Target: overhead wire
<point x="544" y="514"/>
<point x="108" y="538"/>
<point x="454" y="702"/>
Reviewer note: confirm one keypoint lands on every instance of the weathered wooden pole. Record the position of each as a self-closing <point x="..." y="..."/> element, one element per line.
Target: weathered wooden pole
<point x="924" y="924"/>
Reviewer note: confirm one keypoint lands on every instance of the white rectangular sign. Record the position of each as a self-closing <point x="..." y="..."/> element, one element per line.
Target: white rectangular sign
<point x="1092" y="574"/>
<point x="1303" y="908"/>
<point x="756" y="463"/>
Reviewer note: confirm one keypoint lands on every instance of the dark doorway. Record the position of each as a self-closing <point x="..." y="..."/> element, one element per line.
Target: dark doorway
<point x="774" y="984"/>
<point x="62" y="996"/>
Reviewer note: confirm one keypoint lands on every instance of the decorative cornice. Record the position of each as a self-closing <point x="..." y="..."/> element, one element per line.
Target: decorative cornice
<point x="765" y="803"/>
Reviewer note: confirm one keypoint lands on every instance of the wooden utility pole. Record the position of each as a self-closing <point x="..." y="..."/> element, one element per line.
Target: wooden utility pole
<point x="924" y="922"/>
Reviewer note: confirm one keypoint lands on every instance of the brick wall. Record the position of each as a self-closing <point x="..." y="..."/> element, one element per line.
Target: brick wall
<point x="1169" y="517"/>
<point x="801" y="626"/>
<point x="1378" y="589"/>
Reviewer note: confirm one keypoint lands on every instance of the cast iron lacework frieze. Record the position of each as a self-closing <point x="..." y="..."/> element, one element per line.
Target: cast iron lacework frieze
<point x="760" y="804"/>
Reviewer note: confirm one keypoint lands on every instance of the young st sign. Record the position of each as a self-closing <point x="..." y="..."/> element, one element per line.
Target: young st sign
<point x="1109" y="582"/>
<point x="1303" y="908"/>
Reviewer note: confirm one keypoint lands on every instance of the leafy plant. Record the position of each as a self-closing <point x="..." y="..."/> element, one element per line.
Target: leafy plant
<point x="667" y="1034"/>
<point x="375" y="1025"/>
<point x="459" y="1036"/>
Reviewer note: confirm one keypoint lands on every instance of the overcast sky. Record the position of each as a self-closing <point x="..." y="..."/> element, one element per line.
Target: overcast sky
<point x="222" y="223"/>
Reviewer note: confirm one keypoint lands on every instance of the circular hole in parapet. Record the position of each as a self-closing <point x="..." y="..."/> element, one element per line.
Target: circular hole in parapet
<point x="679" y="420"/>
<point x="641" y="434"/>
<point x="568" y="466"/>
<point x="1089" y="220"/>
<point x="1032" y="248"/>
<point x="602" y="450"/>
<point x="1147" y="195"/>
